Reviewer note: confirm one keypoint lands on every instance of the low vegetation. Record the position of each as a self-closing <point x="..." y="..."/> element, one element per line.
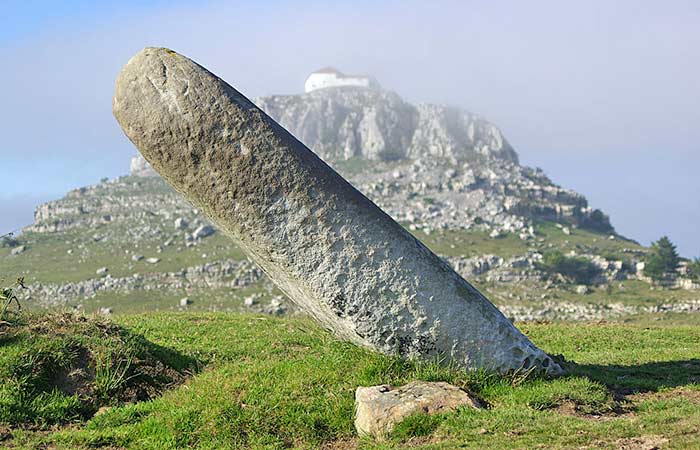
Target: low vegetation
<point x="573" y="268"/>
<point x="662" y="261"/>
<point x="8" y="297"/>
<point x="280" y="383"/>
<point x="694" y="269"/>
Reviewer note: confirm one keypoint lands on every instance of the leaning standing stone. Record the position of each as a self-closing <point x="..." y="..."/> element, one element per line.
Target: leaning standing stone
<point x="330" y="249"/>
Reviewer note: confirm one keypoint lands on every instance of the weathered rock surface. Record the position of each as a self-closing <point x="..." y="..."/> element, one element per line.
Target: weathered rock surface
<point x="330" y="249"/>
<point x="378" y="125"/>
<point x="379" y="408"/>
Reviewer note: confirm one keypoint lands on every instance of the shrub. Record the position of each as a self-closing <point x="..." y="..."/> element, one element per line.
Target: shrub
<point x="694" y="269"/>
<point x="575" y="268"/>
<point x="662" y="261"/>
<point x="597" y="221"/>
<point x="9" y="240"/>
<point x="7" y="296"/>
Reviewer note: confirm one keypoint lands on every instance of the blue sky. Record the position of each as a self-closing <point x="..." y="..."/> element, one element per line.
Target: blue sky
<point x="602" y="95"/>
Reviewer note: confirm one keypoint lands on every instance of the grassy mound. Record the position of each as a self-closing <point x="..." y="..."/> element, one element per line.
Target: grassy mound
<point x="60" y="368"/>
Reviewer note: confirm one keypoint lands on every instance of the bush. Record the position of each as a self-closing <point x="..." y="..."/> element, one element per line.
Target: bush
<point x="597" y="221"/>
<point x="9" y="241"/>
<point x="694" y="269"/>
<point x="662" y="261"/>
<point x="575" y="268"/>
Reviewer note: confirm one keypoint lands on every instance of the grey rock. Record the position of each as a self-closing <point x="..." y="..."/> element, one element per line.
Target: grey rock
<point x="582" y="289"/>
<point x="275" y="307"/>
<point x="250" y="300"/>
<point x="378" y="409"/>
<point x="212" y="275"/>
<point x="181" y="223"/>
<point x="331" y="250"/>
<point x="18" y="250"/>
<point x="203" y="231"/>
<point x="152" y="260"/>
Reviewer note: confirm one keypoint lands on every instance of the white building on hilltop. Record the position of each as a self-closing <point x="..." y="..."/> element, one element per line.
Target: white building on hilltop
<point x="330" y="77"/>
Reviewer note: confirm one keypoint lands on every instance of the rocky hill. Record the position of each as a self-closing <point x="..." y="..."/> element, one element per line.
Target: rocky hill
<point x="429" y="166"/>
<point x="449" y="176"/>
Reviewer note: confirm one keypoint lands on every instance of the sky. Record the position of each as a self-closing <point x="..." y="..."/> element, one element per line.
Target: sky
<point x="604" y="96"/>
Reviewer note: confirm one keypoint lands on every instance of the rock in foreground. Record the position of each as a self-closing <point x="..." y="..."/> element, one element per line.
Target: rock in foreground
<point x="379" y="408"/>
<point x="331" y="250"/>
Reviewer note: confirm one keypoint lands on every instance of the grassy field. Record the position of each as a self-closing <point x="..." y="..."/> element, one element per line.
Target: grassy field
<point x="264" y="382"/>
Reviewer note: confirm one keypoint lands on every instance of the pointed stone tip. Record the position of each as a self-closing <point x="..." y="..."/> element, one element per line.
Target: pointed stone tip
<point x="148" y="53"/>
<point x="149" y="64"/>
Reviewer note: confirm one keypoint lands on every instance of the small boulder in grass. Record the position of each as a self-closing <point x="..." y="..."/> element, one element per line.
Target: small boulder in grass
<point x="378" y="409"/>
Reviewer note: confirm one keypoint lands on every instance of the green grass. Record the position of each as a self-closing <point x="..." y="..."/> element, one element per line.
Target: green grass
<point x="581" y="240"/>
<point x="47" y="259"/>
<point x="472" y="243"/>
<point x="279" y="383"/>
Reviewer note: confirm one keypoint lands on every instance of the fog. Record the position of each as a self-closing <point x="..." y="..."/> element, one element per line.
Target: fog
<point x="602" y="95"/>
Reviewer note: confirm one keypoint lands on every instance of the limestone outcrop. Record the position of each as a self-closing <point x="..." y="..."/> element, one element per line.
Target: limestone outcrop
<point x="374" y="124"/>
<point x="330" y="249"/>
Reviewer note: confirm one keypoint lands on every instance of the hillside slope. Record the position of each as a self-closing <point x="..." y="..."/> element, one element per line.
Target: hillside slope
<point x="450" y="177"/>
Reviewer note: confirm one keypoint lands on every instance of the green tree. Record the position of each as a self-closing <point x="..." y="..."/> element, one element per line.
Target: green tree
<point x="694" y="269"/>
<point x="662" y="261"/>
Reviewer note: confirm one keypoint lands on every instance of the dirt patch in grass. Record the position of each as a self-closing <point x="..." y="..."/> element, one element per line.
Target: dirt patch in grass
<point x="641" y="443"/>
<point x="692" y="395"/>
<point x="342" y="444"/>
<point x="574" y="409"/>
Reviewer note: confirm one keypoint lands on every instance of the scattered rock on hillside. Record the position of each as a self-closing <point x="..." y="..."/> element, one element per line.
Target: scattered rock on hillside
<point x="582" y="289"/>
<point x="380" y="408"/>
<point x="203" y="231"/>
<point x="18" y="250"/>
